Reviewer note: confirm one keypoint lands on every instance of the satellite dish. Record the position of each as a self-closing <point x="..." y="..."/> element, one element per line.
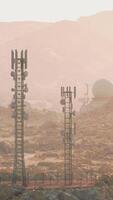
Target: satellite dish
<point x="13" y="89"/>
<point x="25" y="74"/>
<point x="74" y="113"/>
<point x="25" y="88"/>
<point x="13" y="75"/>
<point x="62" y="102"/>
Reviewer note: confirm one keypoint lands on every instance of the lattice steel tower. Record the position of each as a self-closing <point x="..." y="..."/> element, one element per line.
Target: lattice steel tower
<point x="19" y="73"/>
<point x="69" y="130"/>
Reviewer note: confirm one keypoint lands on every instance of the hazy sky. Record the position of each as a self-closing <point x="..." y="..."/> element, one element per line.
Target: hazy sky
<point x="50" y="10"/>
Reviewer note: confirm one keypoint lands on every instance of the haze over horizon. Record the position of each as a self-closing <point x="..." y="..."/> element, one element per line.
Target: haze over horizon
<point x="60" y="53"/>
<point x="51" y="10"/>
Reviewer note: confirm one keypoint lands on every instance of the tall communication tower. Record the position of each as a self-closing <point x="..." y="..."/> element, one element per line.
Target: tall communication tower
<point x="69" y="130"/>
<point x="19" y="74"/>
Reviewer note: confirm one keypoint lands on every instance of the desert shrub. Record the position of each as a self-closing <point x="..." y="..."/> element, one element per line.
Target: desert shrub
<point x="6" y="193"/>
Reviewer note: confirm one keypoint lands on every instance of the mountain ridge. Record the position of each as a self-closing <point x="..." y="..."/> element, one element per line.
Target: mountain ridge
<point x="60" y="53"/>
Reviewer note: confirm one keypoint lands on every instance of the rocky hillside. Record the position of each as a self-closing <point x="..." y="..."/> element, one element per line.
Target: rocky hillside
<point x="72" y="194"/>
<point x="43" y="140"/>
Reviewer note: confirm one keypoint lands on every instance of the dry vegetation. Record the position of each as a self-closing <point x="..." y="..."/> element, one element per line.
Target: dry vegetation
<point x="43" y="141"/>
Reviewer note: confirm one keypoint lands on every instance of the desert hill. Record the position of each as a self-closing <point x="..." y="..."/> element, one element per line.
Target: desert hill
<point x="79" y="52"/>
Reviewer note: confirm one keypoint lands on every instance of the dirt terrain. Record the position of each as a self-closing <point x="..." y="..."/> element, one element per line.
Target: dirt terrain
<point x="92" y="144"/>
